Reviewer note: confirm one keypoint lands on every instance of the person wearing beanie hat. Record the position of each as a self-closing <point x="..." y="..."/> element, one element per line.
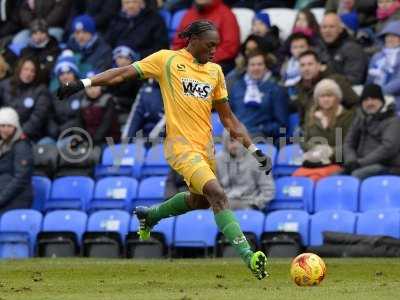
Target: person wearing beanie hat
<point x="261" y="26"/>
<point x="42" y="46"/>
<point x="91" y="48"/>
<point x="125" y="55"/>
<point x="372" y="145"/>
<point x="16" y="163"/>
<point x="326" y="119"/>
<point x="384" y="66"/>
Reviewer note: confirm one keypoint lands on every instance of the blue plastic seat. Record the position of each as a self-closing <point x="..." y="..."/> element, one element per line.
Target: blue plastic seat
<point x="251" y="221"/>
<point x="175" y="22"/>
<point x="195" y="229"/>
<point x="289" y="159"/>
<point x="217" y="127"/>
<point x="41" y="191"/>
<point x="288" y="221"/>
<point x="70" y="192"/>
<point x="331" y="220"/>
<point x="166" y="15"/>
<point x="292" y="193"/>
<point x="66" y="220"/>
<point x="112" y="220"/>
<point x="155" y="163"/>
<point x="121" y="160"/>
<point x="114" y="193"/>
<point x="379" y="222"/>
<point x="18" y="232"/>
<point x="165" y="227"/>
<point x="294" y="123"/>
<point x="380" y="192"/>
<point x="151" y="191"/>
<point x="337" y="192"/>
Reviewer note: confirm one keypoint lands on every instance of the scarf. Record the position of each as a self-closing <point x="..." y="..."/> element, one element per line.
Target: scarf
<point x="292" y="73"/>
<point x="324" y="119"/>
<point x="5" y="146"/>
<point x="304" y="30"/>
<point x="253" y="96"/>
<point x="382" y="69"/>
<point x="384" y="13"/>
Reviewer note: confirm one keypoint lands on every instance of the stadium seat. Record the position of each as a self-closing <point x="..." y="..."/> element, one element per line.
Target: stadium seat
<point x="337" y="192"/>
<point x="71" y="192"/>
<point x="18" y="232"/>
<point x="358" y="89"/>
<point x="166" y="15"/>
<point x="175" y="22"/>
<point x="289" y="159"/>
<point x="106" y="232"/>
<point x="380" y="192"/>
<point x="121" y="160"/>
<point x="318" y="13"/>
<point x="114" y="193"/>
<point x="217" y="127"/>
<point x="283" y="18"/>
<point x="154" y="162"/>
<point x="196" y="229"/>
<point x="218" y="147"/>
<point x="151" y="191"/>
<point x="379" y="222"/>
<point x="41" y="191"/>
<point x="288" y="221"/>
<point x="270" y="150"/>
<point x="157" y="246"/>
<point x="292" y="193"/>
<point x="330" y="220"/>
<point x="244" y="17"/>
<point x="294" y="124"/>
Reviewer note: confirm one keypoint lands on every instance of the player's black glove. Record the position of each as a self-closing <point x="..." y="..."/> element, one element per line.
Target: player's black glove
<point x="265" y="163"/>
<point x="70" y="88"/>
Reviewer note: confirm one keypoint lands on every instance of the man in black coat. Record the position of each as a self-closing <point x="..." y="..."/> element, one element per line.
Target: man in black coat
<point x="138" y="27"/>
<point x="16" y="163"/>
<point x="372" y="145"/>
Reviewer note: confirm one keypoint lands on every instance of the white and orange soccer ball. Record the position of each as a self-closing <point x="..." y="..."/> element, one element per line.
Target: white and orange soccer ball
<point x="307" y="269"/>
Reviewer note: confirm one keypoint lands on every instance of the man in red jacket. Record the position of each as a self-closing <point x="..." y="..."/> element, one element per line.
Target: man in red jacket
<point x="225" y="21"/>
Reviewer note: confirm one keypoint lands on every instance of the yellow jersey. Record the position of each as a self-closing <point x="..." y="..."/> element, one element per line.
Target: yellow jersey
<point x="189" y="90"/>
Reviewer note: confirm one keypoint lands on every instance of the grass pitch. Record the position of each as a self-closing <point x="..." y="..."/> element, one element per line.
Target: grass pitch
<point x="62" y="279"/>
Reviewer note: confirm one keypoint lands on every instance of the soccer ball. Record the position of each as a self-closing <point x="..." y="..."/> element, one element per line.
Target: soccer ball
<point x="307" y="269"/>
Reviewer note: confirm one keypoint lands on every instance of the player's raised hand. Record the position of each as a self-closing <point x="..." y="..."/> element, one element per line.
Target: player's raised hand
<point x="264" y="161"/>
<point x="70" y="88"/>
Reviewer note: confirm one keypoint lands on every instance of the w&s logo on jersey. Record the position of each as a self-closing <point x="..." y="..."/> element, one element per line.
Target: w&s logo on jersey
<point x="195" y="88"/>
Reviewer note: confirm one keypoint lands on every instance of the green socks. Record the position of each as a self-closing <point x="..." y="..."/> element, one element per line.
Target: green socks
<point x="227" y="224"/>
<point x="174" y="206"/>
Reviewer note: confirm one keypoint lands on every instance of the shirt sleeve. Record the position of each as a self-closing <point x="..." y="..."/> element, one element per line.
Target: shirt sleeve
<point x="220" y="91"/>
<point x="150" y="66"/>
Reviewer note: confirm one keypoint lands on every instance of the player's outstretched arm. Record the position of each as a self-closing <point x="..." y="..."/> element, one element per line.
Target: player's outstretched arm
<point x="110" y="77"/>
<point x="238" y="132"/>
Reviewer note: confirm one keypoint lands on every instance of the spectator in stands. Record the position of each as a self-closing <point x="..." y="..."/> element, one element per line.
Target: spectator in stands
<point x="387" y="11"/>
<point x="30" y="99"/>
<point x="244" y="184"/>
<point x="228" y="28"/>
<point x="341" y="52"/>
<point x="9" y="18"/>
<point x="102" y="11"/>
<point x="327" y="122"/>
<point x="258" y="101"/>
<point x="147" y="113"/>
<point x="16" y="163"/>
<point x="64" y="113"/>
<point x="174" y="184"/>
<point x="311" y="73"/>
<point x="290" y="71"/>
<point x="372" y="145"/>
<point x="262" y="27"/>
<point x="97" y="115"/>
<point x="307" y="24"/>
<point x="124" y="94"/>
<point x="52" y="11"/>
<point x="384" y="67"/>
<point x="364" y="9"/>
<point x="138" y="27"/>
<point x="5" y="69"/>
<point x="93" y="51"/>
<point x="43" y="47"/>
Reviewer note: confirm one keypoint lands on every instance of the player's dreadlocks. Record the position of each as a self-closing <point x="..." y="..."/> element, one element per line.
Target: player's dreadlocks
<point x="196" y="28"/>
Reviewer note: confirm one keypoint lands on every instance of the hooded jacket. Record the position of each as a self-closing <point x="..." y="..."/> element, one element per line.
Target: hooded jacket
<point x="374" y="139"/>
<point x="245" y="185"/>
<point x="16" y="169"/>
<point x="227" y="26"/>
